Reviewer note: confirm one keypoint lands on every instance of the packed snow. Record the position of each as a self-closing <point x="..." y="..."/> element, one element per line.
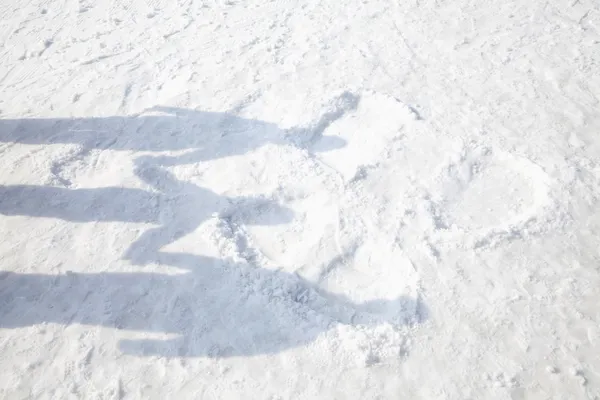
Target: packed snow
<point x="307" y="199"/>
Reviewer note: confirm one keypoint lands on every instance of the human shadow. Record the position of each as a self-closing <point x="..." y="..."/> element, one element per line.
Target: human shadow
<point x="216" y="309"/>
<point x="188" y="136"/>
<point x="199" y="135"/>
<point x="177" y="207"/>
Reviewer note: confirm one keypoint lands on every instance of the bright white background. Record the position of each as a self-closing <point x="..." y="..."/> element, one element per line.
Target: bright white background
<point x="300" y="199"/>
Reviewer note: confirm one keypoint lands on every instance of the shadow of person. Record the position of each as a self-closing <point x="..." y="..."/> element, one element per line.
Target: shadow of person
<point x="176" y="206"/>
<point x="204" y="135"/>
<point x="216" y="309"/>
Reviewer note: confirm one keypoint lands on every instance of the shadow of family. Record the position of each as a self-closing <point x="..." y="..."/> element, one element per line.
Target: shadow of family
<point x="215" y="308"/>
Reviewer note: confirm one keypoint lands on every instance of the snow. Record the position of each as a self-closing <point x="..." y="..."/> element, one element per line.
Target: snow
<point x="300" y="199"/>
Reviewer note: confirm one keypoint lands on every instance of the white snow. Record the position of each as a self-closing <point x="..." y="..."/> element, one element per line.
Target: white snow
<point x="300" y="199"/>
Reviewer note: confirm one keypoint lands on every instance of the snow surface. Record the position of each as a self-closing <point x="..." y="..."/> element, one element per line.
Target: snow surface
<point x="300" y="199"/>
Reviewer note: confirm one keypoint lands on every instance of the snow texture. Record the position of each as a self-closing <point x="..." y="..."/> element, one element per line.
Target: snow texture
<point x="300" y="199"/>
